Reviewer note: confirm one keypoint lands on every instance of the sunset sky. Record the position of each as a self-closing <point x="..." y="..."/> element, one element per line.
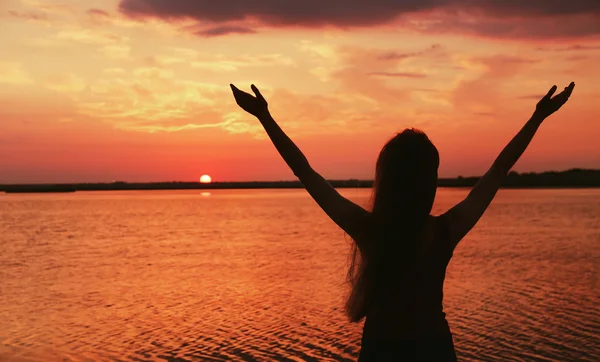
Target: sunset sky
<point x="138" y="90"/>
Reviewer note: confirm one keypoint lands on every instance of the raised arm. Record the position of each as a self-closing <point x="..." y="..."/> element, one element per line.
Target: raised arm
<point x="346" y="214"/>
<point x="462" y="218"/>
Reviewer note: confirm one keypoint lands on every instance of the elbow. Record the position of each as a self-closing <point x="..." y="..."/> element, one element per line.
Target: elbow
<point x="302" y="168"/>
<point x="301" y="172"/>
<point x="499" y="170"/>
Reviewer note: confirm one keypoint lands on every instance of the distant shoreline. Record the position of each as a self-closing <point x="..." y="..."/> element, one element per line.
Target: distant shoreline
<point x="575" y="178"/>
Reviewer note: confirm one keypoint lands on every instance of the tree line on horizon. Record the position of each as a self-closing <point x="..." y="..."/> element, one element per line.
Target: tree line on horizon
<point x="577" y="178"/>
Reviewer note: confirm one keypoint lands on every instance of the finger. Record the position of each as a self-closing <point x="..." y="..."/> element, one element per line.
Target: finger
<point x="566" y="93"/>
<point x="239" y="93"/>
<point x="570" y="88"/>
<point x="551" y="91"/>
<point x="256" y="92"/>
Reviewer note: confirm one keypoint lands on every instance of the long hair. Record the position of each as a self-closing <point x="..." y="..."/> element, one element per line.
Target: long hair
<point x="403" y="194"/>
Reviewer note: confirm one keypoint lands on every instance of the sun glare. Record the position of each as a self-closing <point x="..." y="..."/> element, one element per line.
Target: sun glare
<point x="205" y="179"/>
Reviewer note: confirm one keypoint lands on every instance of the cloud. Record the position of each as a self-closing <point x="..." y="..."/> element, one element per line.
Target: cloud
<point x="156" y="100"/>
<point x="398" y="74"/>
<point x="150" y="99"/>
<point x="13" y="73"/>
<point x="498" y="18"/>
<point x="518" y="26"/>
<point x="89" y="36"/>
<point x="570" y="48"/>
<point x="98" y="12"/>
<point x="222" y="63"/>
<point x="174" y="56"/>
<point x="485" y="93"/>
<point x="29" y="15"/>
<point x="153" y="73"/>
<point x="114" y="71"/>
<point x="433" y="50"/>
<point x="49" y="7"/>
<point x="224" y="30"/>
<point x="154" y="128"/>
<point x="117" y="52"/>
<point x="99" y="16"/>
<point x="66" y="83"/>
<point x="374" y="74"/>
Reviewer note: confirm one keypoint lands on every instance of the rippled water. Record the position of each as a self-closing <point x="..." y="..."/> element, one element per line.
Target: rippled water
<point x="259" y="275"/>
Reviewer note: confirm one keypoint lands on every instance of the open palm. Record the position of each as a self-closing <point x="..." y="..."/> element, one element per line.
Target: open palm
<point x="256" y="106"/>
<point x="548" y="105"/>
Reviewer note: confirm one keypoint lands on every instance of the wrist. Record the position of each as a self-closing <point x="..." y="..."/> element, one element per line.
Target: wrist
<point x="537" y="117"/>
<point x="263" y="114"/>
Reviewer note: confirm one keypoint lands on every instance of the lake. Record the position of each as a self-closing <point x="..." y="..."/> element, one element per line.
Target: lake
<point x="259" y="275"/>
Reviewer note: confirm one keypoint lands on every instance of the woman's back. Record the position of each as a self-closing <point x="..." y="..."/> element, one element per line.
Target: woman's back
<point x="410" y="322"/>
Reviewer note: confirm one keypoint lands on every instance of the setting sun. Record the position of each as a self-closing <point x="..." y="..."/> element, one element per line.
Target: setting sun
<point x="205" y="179"/>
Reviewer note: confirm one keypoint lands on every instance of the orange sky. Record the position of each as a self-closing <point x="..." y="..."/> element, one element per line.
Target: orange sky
<point x="94" y="91"/>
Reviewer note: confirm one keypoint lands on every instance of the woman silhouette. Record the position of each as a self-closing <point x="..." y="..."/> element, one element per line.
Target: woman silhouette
<point x="400" y="250"/>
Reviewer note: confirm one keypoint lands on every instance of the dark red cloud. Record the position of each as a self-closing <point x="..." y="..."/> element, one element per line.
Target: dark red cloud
<point x="533" y="7"/>
<point x="539" y="26"/>
<point x="278" y="12"/>
<point x="497" y="18"/>
<point x="223" y="30"/>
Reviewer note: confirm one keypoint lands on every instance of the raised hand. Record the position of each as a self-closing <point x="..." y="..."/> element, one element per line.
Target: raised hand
<point x="256" y="106"/>
<point x="548" y="105"/>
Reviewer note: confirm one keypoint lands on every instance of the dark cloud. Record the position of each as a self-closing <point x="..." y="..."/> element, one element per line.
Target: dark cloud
<point x="498" y="18"/>
<point x="224" y="30"/>
<point x="530" y="7"/>
<point x="278" y="12"/>
<point x="522" y="26"/>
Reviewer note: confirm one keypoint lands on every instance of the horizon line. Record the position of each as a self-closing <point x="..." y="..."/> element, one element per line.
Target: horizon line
<point x="277" y="181"/>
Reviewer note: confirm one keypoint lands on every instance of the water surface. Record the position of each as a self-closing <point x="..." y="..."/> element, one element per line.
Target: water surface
<point x="259" y="275"/>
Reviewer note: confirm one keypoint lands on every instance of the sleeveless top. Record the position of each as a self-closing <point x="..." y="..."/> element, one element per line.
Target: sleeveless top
<point x="413" y="316"/>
